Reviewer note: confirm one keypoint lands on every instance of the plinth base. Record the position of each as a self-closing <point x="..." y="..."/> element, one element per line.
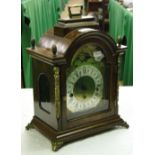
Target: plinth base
<point x="59" y="138"/>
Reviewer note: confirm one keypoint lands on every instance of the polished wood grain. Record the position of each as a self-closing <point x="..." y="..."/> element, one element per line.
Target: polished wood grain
<point x="66" y="26"/>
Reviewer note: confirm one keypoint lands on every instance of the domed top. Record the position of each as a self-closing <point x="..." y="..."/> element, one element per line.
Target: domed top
<point x="65" y="46"/>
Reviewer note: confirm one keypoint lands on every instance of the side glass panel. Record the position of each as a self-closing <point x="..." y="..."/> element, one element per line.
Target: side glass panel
<point x="44" y="93"/>
<point x="86" y="87"/>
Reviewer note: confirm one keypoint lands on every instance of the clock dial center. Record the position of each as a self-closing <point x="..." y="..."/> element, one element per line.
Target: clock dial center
<point x="84" y="88"/>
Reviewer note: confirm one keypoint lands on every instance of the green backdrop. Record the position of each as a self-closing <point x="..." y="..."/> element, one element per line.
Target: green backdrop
<point x="121" y="24"/>
<point x="43" y="14"/>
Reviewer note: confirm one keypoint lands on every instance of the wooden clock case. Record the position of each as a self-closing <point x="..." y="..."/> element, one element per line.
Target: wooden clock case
<point x="50" y="60"/>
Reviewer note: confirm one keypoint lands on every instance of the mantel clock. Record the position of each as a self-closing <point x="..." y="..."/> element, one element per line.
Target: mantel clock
<point x="75" y="84"/>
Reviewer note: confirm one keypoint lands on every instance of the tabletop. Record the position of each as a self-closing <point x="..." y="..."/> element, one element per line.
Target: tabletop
<point x="113" y="142"/>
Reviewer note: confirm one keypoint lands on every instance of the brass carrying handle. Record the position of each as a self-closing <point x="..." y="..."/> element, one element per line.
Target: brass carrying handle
<point x="71" y="15"/>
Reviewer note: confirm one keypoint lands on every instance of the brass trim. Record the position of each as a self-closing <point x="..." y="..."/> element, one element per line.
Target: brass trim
<point x="56" y="145"/>
<point x="29" y="126"/>
<point x="57" y="91"/>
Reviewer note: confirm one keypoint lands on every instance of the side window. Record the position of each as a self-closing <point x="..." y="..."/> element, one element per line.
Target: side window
<point x="44" y="93"/>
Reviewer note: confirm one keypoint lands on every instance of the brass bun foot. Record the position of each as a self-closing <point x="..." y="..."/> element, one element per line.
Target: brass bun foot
<point x="123" y="124"/>
<point x="29" y="126"/>
<point x="56" y="145"/>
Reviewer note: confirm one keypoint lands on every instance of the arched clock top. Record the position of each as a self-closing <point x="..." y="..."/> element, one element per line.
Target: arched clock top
<point x="67" y="46"/>
<point x="81" y="37"/>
